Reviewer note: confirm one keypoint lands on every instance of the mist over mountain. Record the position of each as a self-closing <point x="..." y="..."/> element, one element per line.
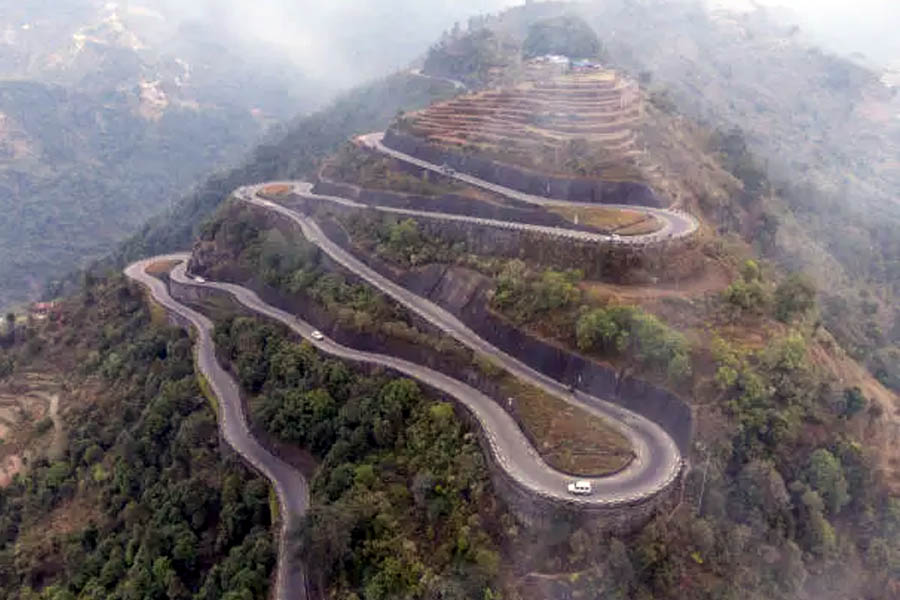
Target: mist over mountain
<point x="866" y="27"/>
<point x="109" y="110"/>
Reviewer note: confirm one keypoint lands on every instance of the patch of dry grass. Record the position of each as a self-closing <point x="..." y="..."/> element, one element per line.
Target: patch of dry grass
<point x="276" y="189"/>
<point x="160" y="267"/>
<point x="620" y="220"/>
<point x="570" y="439"/>
<point x="649" y="224"/>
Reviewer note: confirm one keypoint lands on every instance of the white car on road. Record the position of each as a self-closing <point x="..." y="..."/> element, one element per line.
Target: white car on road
<point x="580" y="488"/>
<point x="199" y="279"/>
<point x="317" y="335"/>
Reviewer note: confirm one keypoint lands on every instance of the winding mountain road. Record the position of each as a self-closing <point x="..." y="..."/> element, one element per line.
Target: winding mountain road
<point x="290" y="486"/>
<point x="657" y="461"/>
<point x="656" y="465"/>
<point x="676" y="223"/>
<point x="459" y="85"/>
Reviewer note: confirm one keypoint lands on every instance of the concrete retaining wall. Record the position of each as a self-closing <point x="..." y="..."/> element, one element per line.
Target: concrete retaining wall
<point x="543" y="514"/>
<point x="517" y="212"/>
<point x="657" y="404"/>
<point x="518" y="178"/>
<point x="620" y="262"/>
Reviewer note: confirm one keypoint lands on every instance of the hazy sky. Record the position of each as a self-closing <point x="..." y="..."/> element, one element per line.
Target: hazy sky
<point x="342" y="40"/>
<point x="844" y="26"/>
<point x="348" y="40"/>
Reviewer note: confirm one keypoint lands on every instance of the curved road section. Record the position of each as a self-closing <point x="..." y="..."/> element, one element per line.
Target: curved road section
<point x="658" y="461"/>
<point x="676" y="223"/>
<point x="290" y="486"/>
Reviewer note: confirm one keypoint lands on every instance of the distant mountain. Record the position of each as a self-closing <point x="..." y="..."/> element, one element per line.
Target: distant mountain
<point x="106" y="112"/>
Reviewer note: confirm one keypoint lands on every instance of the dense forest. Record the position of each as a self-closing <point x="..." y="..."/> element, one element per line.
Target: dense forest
<point x="79" y="171"/>
<point x="107" y="112"/>
<point x="402" y="504"/>
<point x="142" y="502"/>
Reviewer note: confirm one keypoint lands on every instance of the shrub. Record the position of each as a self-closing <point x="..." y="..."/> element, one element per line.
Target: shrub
<point x="640" y="335"/>
<point x="794" y="296"/>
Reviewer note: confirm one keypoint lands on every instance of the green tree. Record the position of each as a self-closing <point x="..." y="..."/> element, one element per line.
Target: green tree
<point x="794" y="296"/>
<point x="596" y="328"/>
<point x="854" y="401"/>
<point x="826" y="475"/>
<point x="567" y="35"/>
<point x="747" y="292"/>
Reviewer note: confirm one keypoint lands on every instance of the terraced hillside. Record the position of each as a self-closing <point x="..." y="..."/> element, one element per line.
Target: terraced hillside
<point x="580" y="121"/>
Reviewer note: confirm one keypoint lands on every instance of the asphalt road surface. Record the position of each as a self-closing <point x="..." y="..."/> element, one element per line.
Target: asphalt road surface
<point x="657" y="461"/>
<point x="676" y="223"/>
<point x="290" y="486"/>
<point x="656" y="466"/>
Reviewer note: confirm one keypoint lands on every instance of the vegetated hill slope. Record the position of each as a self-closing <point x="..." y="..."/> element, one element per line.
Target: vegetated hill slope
<point x="122" y="490"/>
<point x="77" y="172"/>
<point x="780" y="409"/>
<point x="104" y="116"/>
<point x="296" y="154"/>
<point x="813" y="138"/>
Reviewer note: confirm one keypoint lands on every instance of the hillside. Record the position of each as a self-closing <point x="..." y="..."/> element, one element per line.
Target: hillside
<point x="811" y="136"/>
<point x="823" y="130"/>
<point x="792" y="440"/>
<point x="778" y="404"/>
<point x="297" y="154"/>
<point x="114" y="480"/>
<point x="558" y="273"/>
<point x="104" y="115"/>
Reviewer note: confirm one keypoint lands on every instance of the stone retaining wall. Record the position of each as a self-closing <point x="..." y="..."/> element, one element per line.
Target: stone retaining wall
<point x="543" y="513"/>
<point x="657" y="404"/>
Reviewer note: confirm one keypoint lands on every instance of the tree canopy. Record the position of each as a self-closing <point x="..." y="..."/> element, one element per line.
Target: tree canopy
<point x="566" y="35"/>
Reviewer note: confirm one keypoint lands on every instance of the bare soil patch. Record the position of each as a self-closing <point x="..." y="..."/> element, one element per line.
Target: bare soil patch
<point x="713" y="278"/>
<point x="880" y="428"/>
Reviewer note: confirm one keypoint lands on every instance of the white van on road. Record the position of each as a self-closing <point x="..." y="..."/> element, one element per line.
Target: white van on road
<point x="580" y="488"/>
